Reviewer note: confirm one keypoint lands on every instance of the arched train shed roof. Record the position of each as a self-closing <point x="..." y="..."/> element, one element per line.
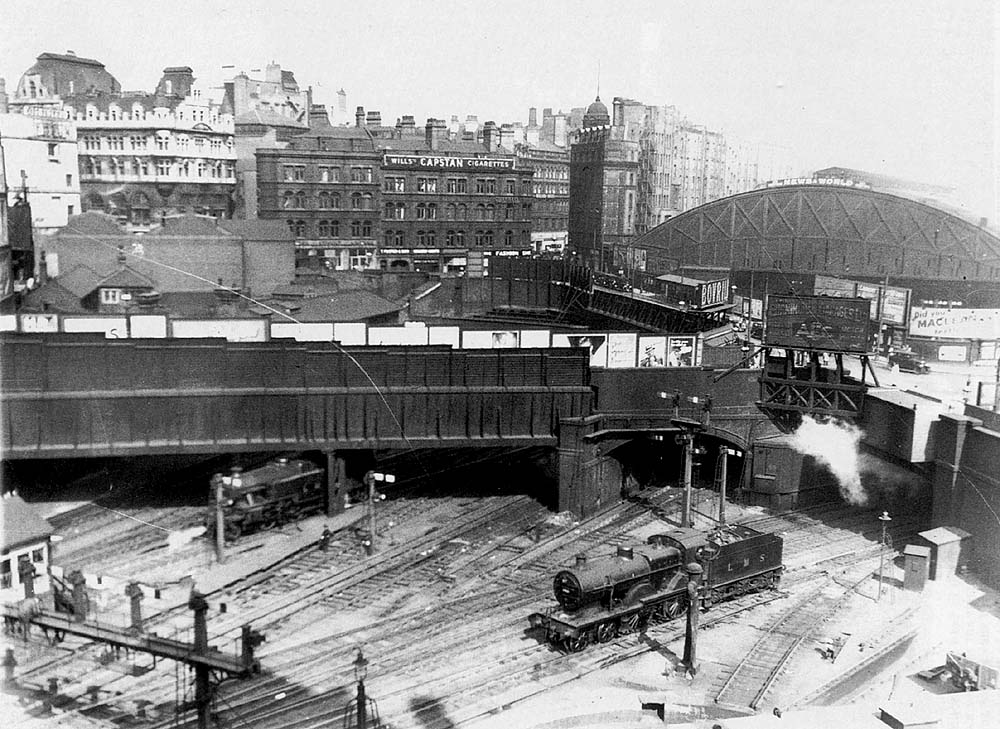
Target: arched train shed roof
<point x="825" y="229"/>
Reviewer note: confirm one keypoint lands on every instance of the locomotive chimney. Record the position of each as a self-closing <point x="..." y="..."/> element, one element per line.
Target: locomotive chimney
<point x="625" y="552"/>
<point x="581" y="560"/>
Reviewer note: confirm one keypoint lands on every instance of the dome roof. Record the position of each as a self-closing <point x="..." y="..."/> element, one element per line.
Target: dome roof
<point x="597" y="115"/>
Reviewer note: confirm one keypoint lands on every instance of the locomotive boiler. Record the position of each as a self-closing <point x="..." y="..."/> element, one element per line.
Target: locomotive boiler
<point x="274" y="494"/>
<point x="602" y="597"/>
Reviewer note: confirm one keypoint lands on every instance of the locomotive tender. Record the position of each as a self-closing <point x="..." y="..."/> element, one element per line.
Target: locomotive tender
<point x="602" y="597"/>
<point x="274" y="494"/>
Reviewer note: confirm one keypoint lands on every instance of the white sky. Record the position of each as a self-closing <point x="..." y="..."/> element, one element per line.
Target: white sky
<point x="903" y="87"/>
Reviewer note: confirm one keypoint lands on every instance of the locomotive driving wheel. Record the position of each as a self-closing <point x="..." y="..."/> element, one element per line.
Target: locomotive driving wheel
<point x="634" y="622"/>
<point x="673" y="608"/>
<point x="576" y="644"/>
<point x="607" y="631"/>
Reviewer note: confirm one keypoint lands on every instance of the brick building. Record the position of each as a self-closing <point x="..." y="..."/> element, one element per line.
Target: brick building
<point x="395" y="197"/>
<point x="604" y="167"/>
<point x="324" y="184"/>
<point x="550" y="185"/>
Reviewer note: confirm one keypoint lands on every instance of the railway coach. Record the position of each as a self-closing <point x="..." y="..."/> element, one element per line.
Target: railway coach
<point x="602" y="597"/>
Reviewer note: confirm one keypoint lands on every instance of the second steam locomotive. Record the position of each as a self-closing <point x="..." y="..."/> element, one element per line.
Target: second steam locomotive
<point x="602" y="597"/>
<point x="274" y="494"/>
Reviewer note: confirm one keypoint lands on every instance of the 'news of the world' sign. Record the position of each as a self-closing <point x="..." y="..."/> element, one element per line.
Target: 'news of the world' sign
<point x="818" y="322"/>
<point x="436" y="162"/>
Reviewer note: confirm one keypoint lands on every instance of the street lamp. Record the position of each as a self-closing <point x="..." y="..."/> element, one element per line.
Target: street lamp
<point x="885" y="519"/>
<point x="360" y="674"/>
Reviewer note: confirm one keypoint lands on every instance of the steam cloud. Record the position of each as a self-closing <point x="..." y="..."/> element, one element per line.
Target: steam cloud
<point x="835" y="445"/>
<point x="176" y="540"/>
<point x="859" y="476"/>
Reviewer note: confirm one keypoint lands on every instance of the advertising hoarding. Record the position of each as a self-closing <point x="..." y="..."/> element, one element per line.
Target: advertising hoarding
<point x="350" y="333"/>
<point x="597" y="343"/>
<point x="652" y="351"/>
<point x="535" y="338"/>
<point x="39" y="323"/>
<point x="307" y="332"/>
<point x="680" y="352"/>
<point x="452" y="336"/>
<point x="955" y="323"/>
<point x="234" y="330"/>
<point x="147" y="326"/>
<point x="113" y="328"/>
<point x="621" y="350"/>
<point x="818" y="322"/>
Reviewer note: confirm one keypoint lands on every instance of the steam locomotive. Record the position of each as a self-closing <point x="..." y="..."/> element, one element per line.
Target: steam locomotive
<point x="274" y="494"/>
<point x="602" y="597"/>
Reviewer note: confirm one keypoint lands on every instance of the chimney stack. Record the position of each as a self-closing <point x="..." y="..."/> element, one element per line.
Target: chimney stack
<point x="491" y="136"/>
<point x="532" y="117"/>
<point x="359" y="117"/>
<point x="435" y="132"/>
<point x="374" y="118"/>
<point x="507" y="136"/>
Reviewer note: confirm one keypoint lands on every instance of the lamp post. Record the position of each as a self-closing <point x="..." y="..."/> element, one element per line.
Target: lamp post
<point x="885" y="519"/>
<point x="360" y="674"/>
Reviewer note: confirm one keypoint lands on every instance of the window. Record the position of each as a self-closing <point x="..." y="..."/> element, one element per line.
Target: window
<point x="53" y="149"/>
<point x="216" y="145"/>
<point x="329" y="174"/>
<point x="508" y="212"/>
<point x="367" y="201"/>
<point x="199" y="142"/>
<point x="138" y="142"/>
<point x="396" y="211"/>
<point x="463" y="212"/>
<point x="491" y="212"/>
<point x="324" y="229"/>
<point x="509" y="187"/>
<point x="449" y="211"/>
<point x="334" y="228"/>
<point x="91" y="142"/>
<point x="70" y="210"/>
<point x="182" y="142"/>
<point x="69" y="180"/>
<point x="460" y="238"/>
<point x="480" y="238"/>
<point x="394" y="237"/>
<point x="395" y="184"/>
<point x="361" y="174"/>
<point x="427" y="184"/>
<point x="38" y="555"/>
<point x="426" y="238"/>
<point x="298" y="228"/>
<point x="163" y="167"/>
<point x="117" y="166"/>
<point x="480" y="212"/>
<point x="356" y="201"/>
<point x="421" y="211"/>
<point x="508" y="238"/>
<point x="486" y="186"/>
<point x="116" y="143"/>
<point x="361" y="228"/>
<point x="5" y="574"/>
<point x="111" y="296"/>
<point x="163" y="143"/>
<point x="324" y="200"/>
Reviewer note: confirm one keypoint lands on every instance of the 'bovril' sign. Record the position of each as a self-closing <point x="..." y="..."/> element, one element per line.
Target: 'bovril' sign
<point x="711" y="293"/>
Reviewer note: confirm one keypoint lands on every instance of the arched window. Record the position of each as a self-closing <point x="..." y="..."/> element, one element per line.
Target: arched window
<point x="324" y="200"/>
<point x="300" y="198"/>
<point x="389" y="237"/>
<point x="480" y="238"/>
<point x="431" y="238"/>
<point x="463" y="212"/>
<point x="488" y="238"/>
<point x="390" y="209"/>
<point x="421" y="238"/>
<point x="491" y="212"/>
<point x="480" y="212"/>
<point x="449" y="211"/>
<point x="508" y="238"/>
<point x="459" y="238"/>
<point x="449" y="239"/>
<point x="421" y="211"/>
<point x="335" y="201"/>
<point x="300" y="229"/>
<point x="324" y="229"/>
<point x="400" y="238"/>
<point x="356" y="203"/>
<point x="432" y="211"/>
<point x="289" y="200"/>
<point x="366" y="201"/>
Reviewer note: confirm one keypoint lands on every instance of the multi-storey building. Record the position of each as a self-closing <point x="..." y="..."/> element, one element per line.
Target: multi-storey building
<point x="266" y="111"/>
<point x="42" y="168"/>
<point x="325" y="184"/>
<point x="141" y="155"/>
<point x="680" y="166"/>
<point x="451" y="205"/>
<point x="396" y="197"/>
<point x="604" y="166"/>
<point x="550" y="185"/>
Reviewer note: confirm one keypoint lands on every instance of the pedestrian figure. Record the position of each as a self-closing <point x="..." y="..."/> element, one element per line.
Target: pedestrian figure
<point x="324" y="540"/>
